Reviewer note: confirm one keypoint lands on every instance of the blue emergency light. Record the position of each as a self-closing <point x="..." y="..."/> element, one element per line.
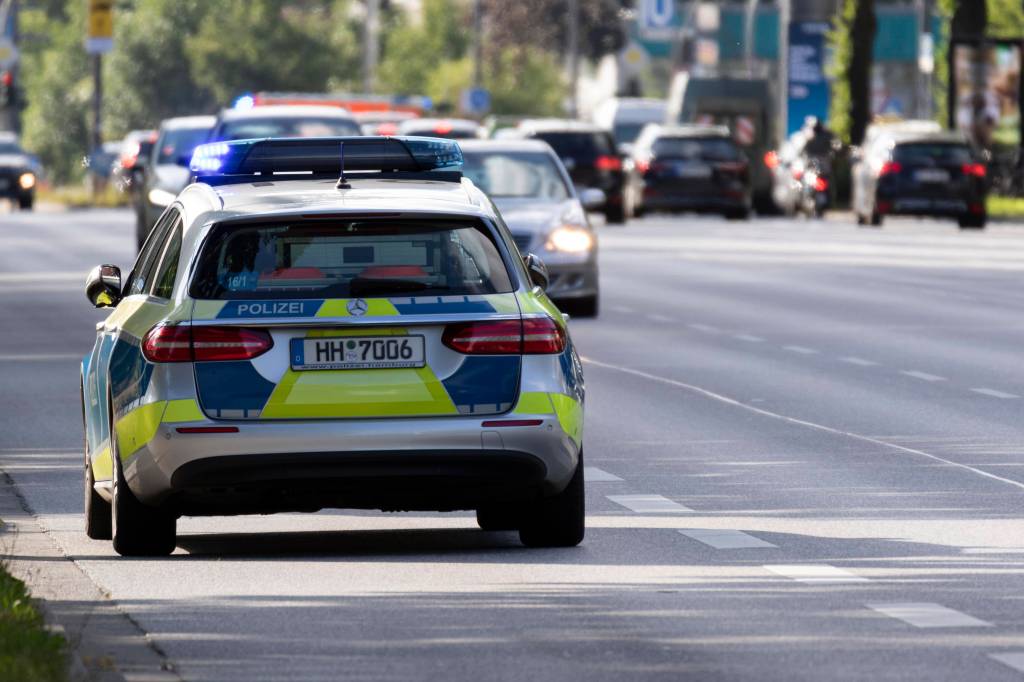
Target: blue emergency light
<point x="322" y="156"/>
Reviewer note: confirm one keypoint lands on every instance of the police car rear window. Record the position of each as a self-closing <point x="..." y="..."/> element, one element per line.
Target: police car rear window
<point x="347" y="259"/>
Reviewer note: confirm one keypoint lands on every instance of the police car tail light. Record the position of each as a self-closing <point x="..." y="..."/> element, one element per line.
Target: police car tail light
<point x="542" y="335"/>
<point x="608" y="162"/>
<point x="165" y="343"/>
<point x="485" y="338"/>
<point x="229" y="343"/>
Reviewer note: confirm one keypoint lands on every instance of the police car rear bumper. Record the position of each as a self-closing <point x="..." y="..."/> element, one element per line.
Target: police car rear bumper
<point x="405" y="464"/>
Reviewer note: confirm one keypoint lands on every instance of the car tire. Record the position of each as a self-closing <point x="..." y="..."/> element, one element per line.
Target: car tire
<point x="738" y="214"/>
<point x="588" y="306"/>
<point x="137" y="529"/>
<point x="498" y="518"/>
<point x="615" y="215"/>
<point x="638" y="211"/>
<point x="860" y="219"/>
<point x="25" y="203"/>
<point x="557" y="521"/>
<point x="876" y="219"/>
<point x="971" y="222"/>
<point x="97" y="510"/>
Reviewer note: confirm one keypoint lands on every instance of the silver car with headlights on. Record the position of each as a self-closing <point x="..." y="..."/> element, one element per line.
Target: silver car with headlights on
<point x="292" y="340"/>
<point x="537" y="199"/>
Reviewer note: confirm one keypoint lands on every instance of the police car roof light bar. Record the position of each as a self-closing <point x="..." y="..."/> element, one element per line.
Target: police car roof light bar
<point x="320" y="156"/>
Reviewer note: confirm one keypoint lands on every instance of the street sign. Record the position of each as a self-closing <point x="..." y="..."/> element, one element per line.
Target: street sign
<point x="657" y="20"/>
<point x="807" y="89"/>
<point x="475" y="101"/>
<point x="8" y="53"/>
<point x="99" y="37"/>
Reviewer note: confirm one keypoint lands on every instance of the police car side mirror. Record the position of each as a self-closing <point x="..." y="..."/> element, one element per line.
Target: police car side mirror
<point x="103" y="286"/>
<point x="538" y="271"/>
<point x="592" y="198"/>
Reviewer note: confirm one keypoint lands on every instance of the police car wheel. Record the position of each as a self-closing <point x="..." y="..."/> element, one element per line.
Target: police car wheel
<point x="498" y="518"/>
<point x="25" y="203"/>
<point x="557" y="521"/>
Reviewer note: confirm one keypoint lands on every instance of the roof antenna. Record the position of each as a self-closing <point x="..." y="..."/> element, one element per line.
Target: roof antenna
<point x="342" y="182"/>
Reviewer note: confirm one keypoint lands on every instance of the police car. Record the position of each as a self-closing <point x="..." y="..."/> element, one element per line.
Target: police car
<point x="330" y="323"/>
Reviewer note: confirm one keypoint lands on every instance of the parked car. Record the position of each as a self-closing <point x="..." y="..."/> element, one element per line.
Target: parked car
<point x="18" y="173"/>
<point x="450" y="128"/>
<point x="689" y="168"/>
<point x="128" y="171"/>
<point x="922" y="174"/>
<point x="544" y="213"/>
<point x="590" y="156"/>
<point x="382" y="122"/>
<point x="167" y="169"/>
<point x="626" y="117"/>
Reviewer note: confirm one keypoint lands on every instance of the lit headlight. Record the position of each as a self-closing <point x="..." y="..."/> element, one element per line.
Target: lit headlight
<point x="27" y="180"/>
<point x="570" y="240"/>
<point x="160" y="197"/>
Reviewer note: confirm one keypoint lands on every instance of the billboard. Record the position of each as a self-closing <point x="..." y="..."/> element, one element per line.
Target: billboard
<point x="807" y="90"/>
<point x="986" y="93"/>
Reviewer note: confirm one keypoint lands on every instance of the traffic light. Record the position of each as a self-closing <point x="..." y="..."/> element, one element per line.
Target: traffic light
<point x="6" y="89"/>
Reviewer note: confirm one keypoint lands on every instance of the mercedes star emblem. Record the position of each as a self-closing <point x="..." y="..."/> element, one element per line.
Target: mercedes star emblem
<point x="357" y="307"/>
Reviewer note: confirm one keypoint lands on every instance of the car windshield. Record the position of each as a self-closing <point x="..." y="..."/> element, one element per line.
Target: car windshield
<point x="577" y="145"/>
<point x="361" y="258"/>
<point x="515" y="174"/>
<point x="178" y="143"/>
<point x="697" y="148"/>
<point x="287" y="126"/>
<point x="627" y="132"/>
<point x="932" y="154"/>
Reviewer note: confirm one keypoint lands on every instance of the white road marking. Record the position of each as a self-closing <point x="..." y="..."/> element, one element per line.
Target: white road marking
<point x="706" y="328"/>
<point x="860" y="362"/>
<point x="593" y="474"/>
<point x="648" y="504"/>
<point x="803" y="350"/>
<point x="995" y="394"/>
<point x="1014" y="659"/>
<point x="748" y="337"/>
<point x="659" y="318"/>
<point x="923" y="376"/>
<point x="42" y="277"/>
<point x="39" y="357"/>
<point x="928" y="615"/>
<point x="726" y="539"/>
<point x="816" y="573"/>
<point x="800" y="422"/>
<point x="620" y="309"/>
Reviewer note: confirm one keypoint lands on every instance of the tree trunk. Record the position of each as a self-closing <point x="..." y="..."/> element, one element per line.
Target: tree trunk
<point x="859" y="73"/>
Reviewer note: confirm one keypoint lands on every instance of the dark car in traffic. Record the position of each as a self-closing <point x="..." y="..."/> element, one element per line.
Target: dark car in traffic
<point x="589" y="154"/>
<point x="930" y="174"/>
<point x="18" y="173"/>
<point x="689" y="168"/>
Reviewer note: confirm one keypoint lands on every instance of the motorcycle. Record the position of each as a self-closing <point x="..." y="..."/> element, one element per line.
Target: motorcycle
<point x="815" y="185"/>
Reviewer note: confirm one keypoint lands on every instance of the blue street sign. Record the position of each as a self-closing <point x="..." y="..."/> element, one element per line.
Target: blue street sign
<point x="476" y="101"/>
<point x="807" y="88"/>
<point x="656" y="15"/>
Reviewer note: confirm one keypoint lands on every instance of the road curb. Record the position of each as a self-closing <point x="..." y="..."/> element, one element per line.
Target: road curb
<point x="104" y="643"/>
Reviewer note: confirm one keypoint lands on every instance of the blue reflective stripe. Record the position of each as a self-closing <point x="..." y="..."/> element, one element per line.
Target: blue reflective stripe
<point x="425" y="305"/>
<point x="485" y="380"/>
<point x="231" y="386"/>
<point x="258" y="309"/>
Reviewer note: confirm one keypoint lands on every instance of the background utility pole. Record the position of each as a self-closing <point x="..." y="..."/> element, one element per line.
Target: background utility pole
<point x="478" y="30"/>
<point x="785" y="15"/>
<point x="748" y="36"/>
<point x="371" y="45"/>
<point x="573" y="17"/>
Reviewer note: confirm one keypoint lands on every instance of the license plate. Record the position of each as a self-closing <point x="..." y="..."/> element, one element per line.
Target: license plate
<point x="931" y="175"/>
<point x="358" y="352"/>
<point x="4" y="183"/>
<point x="693" y="171"/>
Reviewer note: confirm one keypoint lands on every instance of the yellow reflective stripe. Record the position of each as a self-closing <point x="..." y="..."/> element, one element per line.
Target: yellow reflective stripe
<point x="182" y="411"/>
<point x="338" y="307"/>
<point x="503" y="303"/>
<point x="103" y="465"/>
<point x="207" y="310"/>
<point x="138" y="427"/>
<point x="570" y="415"/>
<point x="348" y="331"/>
<point x="533" y="403"/>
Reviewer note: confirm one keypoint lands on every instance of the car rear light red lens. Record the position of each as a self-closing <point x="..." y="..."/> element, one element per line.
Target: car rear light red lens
<point x="165" y="343"/>
<point x="608" y="163"/>
<point x="890" y="168"/>
<point x="443" y="128"/>
<point x="820" y="184"/>
<point x="734" y="167"/>
<point x="512" y="422"/>
<point x="207" y="429"/>
<point x="643" y="166"/>
<point x="771" y="160"/>
<point x="798" y="173"/>
<point x="485" y="338"/>
<point x="532" y="336"/>
<point x="542" y="335"/>
<point x="975" y="169"/>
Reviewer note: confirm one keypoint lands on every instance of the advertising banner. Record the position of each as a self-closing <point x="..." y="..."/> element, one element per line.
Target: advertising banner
<point x="807" y="89"/>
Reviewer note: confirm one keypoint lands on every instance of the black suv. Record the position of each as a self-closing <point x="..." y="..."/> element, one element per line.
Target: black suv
<point x="590" y="156"/>
<point x="18" y="173"/>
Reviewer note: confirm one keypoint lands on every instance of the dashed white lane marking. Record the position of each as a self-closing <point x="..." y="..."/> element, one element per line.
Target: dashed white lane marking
<point x="39" y="357"/>
<point x="928" y="615"/>
<point x="995" y="394"/>
<point x="725" y="539"/>
<point x="593" y="474"/>
<point x="1014" y="659"/>
<point x="803" y="350"/>
<point x="748" y="337"/>
<point x="800" y="422"/>
<point x="648" y="504"/>
<point x="816" y="573"/>
<point x="923" y="376"/>
<point x="706" y="328"/>
<point x="659" y="318"/>
<point x="860" y="362"/>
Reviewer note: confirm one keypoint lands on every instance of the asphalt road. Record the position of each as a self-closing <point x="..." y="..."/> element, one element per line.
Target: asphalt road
<point x="806" y="444"/>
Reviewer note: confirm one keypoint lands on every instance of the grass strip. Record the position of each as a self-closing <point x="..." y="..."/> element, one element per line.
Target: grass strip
<point x="28" y="652"/>
<point x="1005" y="207"/>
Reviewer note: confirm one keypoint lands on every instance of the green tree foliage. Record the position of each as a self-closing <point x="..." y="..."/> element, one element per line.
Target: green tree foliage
<point x="852" y="41"/>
